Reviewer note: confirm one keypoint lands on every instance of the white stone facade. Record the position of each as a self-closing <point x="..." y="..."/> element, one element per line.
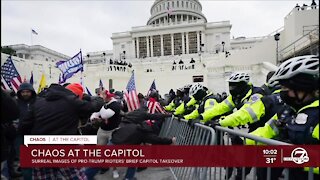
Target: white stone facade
<point x="152" y="49"/>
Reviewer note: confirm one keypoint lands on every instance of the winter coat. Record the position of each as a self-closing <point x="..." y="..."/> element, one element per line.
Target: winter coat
<point x="9" y="112"/>
<point x="58" y="113"/>
<point x="132" y="130"/>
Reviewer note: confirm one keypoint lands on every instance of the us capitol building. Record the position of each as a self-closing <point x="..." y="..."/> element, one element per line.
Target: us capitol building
<point x="178" y="46"/>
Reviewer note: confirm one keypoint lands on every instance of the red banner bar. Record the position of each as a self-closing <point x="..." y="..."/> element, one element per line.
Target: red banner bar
<point x="165" y="156"/>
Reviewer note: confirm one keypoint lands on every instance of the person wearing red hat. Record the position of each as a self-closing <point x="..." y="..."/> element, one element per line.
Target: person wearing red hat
<point x="76" y="88"/>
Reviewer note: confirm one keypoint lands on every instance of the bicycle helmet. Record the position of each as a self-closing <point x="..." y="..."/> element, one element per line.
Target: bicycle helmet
<point x="188" y="86"/>
<point x="308" y="65"/>
<point x="195" y="88"/>
<point x="239" y="77"/>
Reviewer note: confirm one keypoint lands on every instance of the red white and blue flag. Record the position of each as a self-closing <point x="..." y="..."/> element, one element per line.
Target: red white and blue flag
<point x="10" y="78"/>
<point x="131" y="96"/>
<point x="152" y="88"/>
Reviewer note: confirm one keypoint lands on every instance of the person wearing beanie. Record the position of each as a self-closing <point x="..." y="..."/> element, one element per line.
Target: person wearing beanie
<point x="26" y="97"/>
<point x="76" y="88"/>
<point x="58" y="113"/>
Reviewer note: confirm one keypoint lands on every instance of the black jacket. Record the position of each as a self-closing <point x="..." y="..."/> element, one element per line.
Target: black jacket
<point x="132" y="130"/>
<point x="24" y="105"/>
<point x="9" y="112"/>
<point x="58" y="113"/>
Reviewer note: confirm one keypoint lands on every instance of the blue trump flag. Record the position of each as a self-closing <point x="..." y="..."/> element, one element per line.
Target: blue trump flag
<point x="70" y="67"/>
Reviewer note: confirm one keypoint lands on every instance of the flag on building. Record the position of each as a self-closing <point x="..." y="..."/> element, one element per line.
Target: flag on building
<point x="70" y="67"/>
<point x="34" y="32"/>
<point x="88" y="92"/>
<point x="31" y="78"/>
<point x="10" y="78"/>
<point x="152" y="87"/>
<point x="131" y="96"/>
<point x="43" y="83"/>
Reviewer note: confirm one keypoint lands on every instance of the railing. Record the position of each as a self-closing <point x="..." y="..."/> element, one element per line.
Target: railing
<point x="199" y="135"/>
<point x="204" y="135"/>
<point x="300" y="44"/>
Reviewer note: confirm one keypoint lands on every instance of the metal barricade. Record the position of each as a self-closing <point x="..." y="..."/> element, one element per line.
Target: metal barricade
<point x="198" y="135"/>
<point x="204" y="135"/>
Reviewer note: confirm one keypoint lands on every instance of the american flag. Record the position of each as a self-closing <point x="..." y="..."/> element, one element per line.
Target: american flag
<point x="152" y="88"/>
<point x="131" y="96"/>
<point x="10" y="78"/>
<point x="155" y="107"/>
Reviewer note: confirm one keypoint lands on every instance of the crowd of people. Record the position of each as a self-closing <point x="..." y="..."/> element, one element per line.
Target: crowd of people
<point x="285" y="108"/>
<point x="304" y="6"/>
<point x="118" y="65"/>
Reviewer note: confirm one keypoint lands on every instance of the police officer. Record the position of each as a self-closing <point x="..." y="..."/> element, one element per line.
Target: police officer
<point x="241" y="92"/>
<point x="297" y="124"/>
<point x="188" y="104"/>
<point x="257" y="113"/>
<point x="205" y="99"/>
<point x="176" y="101"/>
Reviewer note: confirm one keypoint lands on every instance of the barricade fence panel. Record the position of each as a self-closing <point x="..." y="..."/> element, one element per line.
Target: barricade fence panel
<point x="205" y="135"/>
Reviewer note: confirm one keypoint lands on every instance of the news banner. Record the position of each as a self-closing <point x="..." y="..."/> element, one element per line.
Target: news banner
<point x="80" y="151"/>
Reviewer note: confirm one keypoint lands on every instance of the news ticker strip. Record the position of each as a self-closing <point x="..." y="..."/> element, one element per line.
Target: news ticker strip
<point x="166" y="155"/>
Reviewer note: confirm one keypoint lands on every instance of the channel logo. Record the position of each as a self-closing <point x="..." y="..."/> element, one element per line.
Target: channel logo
<point x="298" y="156"/>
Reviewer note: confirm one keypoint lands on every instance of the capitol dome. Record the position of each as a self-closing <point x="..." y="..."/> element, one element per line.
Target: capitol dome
<point x="179" y="11"/>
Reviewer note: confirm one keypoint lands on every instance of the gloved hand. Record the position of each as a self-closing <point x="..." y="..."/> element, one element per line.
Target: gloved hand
<point x="179" y="117"/>
<point x="208" y="123"/>
<point x="191" y="123"/>
<point x="214" y="124"/>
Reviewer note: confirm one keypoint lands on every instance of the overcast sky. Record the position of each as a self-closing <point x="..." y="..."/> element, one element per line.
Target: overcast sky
<point x="68" y="26"/>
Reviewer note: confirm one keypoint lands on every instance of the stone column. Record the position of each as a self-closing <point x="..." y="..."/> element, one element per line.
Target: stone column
<point x="172" y="45"/>
<point x="151" y="41"/>
<point x="133" y="49"/>
<point x="161" y="39"/>
<point x="198" y="41"/>
<point x="138" y="52"/>
<point x="187" y="42"/>
<point x="203" y="38"/>
<point x="148" y="50"/>
<point x="182" y="45"/>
